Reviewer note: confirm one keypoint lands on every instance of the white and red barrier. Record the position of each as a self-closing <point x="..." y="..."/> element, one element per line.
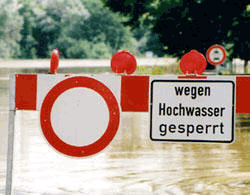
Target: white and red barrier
<point x="62" y="98"/>
<point x="132" y="92"/>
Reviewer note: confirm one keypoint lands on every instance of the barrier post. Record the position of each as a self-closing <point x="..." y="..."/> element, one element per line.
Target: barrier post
<point x="11" y="138"/>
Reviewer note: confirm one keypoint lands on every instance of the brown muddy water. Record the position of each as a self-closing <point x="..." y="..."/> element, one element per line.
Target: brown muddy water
<point x="131" y="164"/>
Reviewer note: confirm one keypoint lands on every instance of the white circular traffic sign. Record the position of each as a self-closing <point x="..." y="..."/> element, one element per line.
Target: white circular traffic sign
<point x="70" y="111"/>
<point x="79" y="116"/>
<point x="216" y="55"/>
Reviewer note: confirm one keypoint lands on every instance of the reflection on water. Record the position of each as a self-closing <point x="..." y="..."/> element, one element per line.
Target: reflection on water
<point x="132" y="164"/>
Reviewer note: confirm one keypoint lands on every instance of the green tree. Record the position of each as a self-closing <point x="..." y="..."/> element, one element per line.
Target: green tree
<point x="78" y="28"/>
<point x="177" y="26"/>
<point x="239" y="37"/>
<point x="102" y="26"/>
<point x="10" y="26"/>
<point x="52" y="19"/>
<point x="98" y="36"/>
<point x="27" y="42"/>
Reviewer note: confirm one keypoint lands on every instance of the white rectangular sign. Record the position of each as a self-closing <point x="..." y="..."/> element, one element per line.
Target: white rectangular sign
<point x="192" y="110"/>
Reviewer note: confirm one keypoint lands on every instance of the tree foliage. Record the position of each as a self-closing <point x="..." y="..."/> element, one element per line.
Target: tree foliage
<point x="102" y="26"/>
<point x="78" y="28"/>
<point x="177" y="26"/>
<point x="10" y="26"/>
<point x="52" y="19"/>
<point x="27" y="42"/>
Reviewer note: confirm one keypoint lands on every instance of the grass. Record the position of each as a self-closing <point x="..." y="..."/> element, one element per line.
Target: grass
<point x="159" y="70"/>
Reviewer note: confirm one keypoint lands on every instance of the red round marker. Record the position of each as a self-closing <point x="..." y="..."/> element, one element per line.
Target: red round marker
<point x="216" y="55"/>
<point x="54" y="61"/>
<point x="193" y="62"/>
<point x="123" y="62"/>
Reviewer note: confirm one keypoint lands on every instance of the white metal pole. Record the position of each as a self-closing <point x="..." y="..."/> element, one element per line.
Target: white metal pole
<point x="11" y="133"/>
<point x="10" y="152"/>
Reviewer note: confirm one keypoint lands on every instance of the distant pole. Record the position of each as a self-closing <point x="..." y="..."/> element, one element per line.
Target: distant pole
<point x="245" y="67"/>
<point x="218" y="69"/>
<point x="230" y="67"/>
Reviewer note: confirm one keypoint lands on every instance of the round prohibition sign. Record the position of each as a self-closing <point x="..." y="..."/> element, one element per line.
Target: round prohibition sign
<point x="216" y="55"/>
<point x="106" y="137"/>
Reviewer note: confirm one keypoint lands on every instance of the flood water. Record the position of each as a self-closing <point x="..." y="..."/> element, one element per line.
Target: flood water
<point x="131" y="164"/>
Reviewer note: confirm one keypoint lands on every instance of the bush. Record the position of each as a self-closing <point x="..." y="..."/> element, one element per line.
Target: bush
<point x="63" y="44"/>
<point x="85" y="49"/>
<point x="81" y="49"/>
<point x="101" y="50"/>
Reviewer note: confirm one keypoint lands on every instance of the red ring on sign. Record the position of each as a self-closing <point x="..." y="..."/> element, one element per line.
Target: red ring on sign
<point x="104" y="140"/>
<point x="216" y="47"/>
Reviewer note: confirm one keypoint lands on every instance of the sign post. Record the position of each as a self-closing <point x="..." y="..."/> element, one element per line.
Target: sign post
<point x="11" y="138"/>
<point x="192" y="110"/>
